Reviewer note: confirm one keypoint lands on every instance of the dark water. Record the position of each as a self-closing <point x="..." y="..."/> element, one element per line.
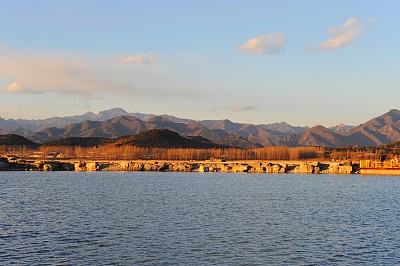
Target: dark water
<point x="198" y="219"/>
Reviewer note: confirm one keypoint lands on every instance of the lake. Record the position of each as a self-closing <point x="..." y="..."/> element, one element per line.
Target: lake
<point x="147" y="218"/>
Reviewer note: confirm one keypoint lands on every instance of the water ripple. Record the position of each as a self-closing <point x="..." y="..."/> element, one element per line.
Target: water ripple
<point x="188" y="218"/>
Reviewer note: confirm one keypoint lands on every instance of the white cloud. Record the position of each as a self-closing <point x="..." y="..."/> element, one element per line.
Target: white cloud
<point x="343" y="35"/>
<point x="272" y="43"/>
<point x="139" y="59"/>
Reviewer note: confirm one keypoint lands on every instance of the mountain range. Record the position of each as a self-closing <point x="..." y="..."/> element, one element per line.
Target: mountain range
<point x="37" y="125"/>
<point x="115" y="123"/>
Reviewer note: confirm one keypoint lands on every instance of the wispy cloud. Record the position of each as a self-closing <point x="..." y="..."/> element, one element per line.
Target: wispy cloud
<point x="12" y="88"/>
<point x="236" y="108"/>
<point x="23" y="72"/>
<point x="139" y="59"/>
<point x="343" y="35"/>
<point x="56" y="73"/>
<point x="272" y="43"/>
<point x="243" y="107"/>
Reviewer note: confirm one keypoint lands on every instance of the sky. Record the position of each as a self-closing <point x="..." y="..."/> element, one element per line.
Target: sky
<point x="306" y="62"/>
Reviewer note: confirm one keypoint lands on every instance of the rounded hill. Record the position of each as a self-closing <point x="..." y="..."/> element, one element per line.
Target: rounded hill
<point x="15" y="140"/>
<point x="164" y="138"/>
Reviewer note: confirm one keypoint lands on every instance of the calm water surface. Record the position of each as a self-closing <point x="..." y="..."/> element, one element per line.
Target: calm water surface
<point x="137" y="218"/>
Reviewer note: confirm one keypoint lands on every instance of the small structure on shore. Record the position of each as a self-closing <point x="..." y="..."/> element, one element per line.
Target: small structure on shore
<point x="380" y="167"/>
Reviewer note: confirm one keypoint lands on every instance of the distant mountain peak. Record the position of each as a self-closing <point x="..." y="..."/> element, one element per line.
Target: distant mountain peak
<point x="116" y="109"/>
<point x="226" y="125"/>
<point x="318" y="127"/>
<point x="283" y="123"/>
<point x="341" y="128"/>
<point x="89" y="113"/>
<point x="225" y="122"/>
<point x="111" y="113"/>
<point x="395" y="111"/>
<point x="284" y="127"/>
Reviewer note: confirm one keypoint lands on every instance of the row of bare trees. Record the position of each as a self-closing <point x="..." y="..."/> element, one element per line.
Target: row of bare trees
<point x="133" y="153"/>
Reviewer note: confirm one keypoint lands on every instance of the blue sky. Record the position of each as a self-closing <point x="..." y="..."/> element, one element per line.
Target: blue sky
<point x="303" y="62"/>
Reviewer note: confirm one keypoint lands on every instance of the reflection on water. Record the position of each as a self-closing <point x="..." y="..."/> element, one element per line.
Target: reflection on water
<point x="198" y="218"/>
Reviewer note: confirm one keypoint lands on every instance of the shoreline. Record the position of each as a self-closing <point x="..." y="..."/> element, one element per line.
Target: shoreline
<point x="242" y="166"/>
<point x="251" y="166"/>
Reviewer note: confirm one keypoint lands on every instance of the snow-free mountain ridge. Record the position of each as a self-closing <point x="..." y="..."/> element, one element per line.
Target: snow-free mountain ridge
<point x="115" y="123"/>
